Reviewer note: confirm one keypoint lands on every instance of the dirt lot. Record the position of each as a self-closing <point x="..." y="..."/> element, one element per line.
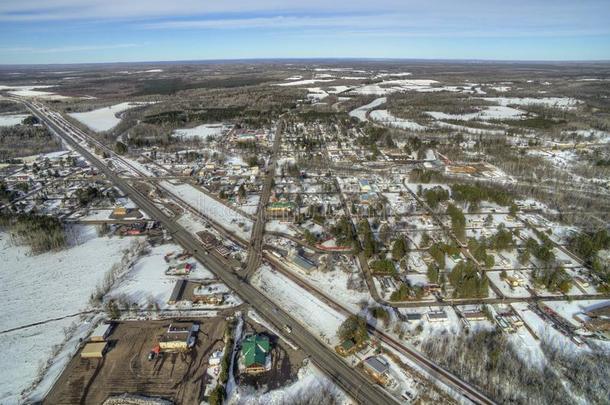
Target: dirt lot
<point x="285" y="364"/>
<point x="125" y="368"/>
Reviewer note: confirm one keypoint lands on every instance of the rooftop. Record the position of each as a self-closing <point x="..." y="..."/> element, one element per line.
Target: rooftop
<point x="254" y="349"/>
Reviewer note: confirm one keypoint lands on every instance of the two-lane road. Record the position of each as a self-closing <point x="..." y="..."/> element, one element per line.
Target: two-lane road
<point x="353" y="381"/>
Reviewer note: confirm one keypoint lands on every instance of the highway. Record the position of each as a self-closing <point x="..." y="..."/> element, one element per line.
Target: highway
<point x="256" y="241"/>
<point x="353" y="381"/>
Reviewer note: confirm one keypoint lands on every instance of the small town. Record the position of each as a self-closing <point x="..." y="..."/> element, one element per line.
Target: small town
<point x="303" y="231"/>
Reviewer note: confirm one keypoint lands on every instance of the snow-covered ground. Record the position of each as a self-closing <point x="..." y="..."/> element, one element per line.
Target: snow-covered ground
<point x="386" y="118"/>
<point x="309" y="380"/>
<point x="517" y="291"/>
<point x="304" y="82"/>
<point x="567" y="309"/>
<point x="554" y="102"/>
<point x="334" y="284"/>
<point x="281" y="227"/>
<point x="39" y="288"/>
<point x="28" y="91"/>
<point x="8" y="120"/>
<point x="360" y="112"/>
<point x="501" y="89"/>
<point x="146" y="283"/>
<point x="203" y="132"/>
<point x="316" y="94"/>
<point x="490" y="113"/>
<point x="223" y="215"/>
<point x="470" y="130"/>
<point x="540" y="327"/>
<point x="318" y="317"/>
<point x="104" y="119"/>
<point x="420" y="85"/>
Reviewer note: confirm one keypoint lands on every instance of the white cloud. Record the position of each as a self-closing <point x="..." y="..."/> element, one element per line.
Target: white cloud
<point x="275" y="22"/>
<point x="533" y="12"/>
<point x="60" y="49"/>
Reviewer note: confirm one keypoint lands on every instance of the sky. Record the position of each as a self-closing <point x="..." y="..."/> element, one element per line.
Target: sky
<point x="86" y="31"/>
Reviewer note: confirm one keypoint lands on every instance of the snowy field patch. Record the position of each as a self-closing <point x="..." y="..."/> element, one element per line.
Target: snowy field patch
<point x="301" y="304"/>
<point x="490" y="113"/>
<point x="28" y="91"/>
<point x="146" y="283"/>
<point x="360" y="112"/>
<point x="105" y="118"/>
<point x="42" y="287"/>
<point x="553" y="102"/>
<point x="203" y="132"/>
<point x="209" y="207"/>
<point x="304" y="82"/>
<point x="386" y="118"/>
<point x="12" y="119"/>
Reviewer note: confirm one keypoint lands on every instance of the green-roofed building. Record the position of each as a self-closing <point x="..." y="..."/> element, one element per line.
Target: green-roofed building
<point x="254" y="351"/>
<point x="281" y="209"/>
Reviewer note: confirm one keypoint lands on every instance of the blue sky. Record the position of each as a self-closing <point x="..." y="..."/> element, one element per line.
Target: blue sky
<point x="74" y="31"/>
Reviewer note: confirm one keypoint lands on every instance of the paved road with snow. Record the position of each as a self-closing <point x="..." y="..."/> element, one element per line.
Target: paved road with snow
<point x="351" y="380"/>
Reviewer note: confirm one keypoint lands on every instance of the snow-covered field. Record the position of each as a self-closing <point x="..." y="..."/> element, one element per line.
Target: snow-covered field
<point x="39" y="288"/>
<point x="554" y="102"/>
<point x="316" y="94"/>
<point x="360" y="112"/>
<point x="393" y="86"/>
<point x="386" y="118"/>
<point x="28" y="91"/>
<point x="203" y="132"/>
<point x="491" y="113"/>
<point x="223" y="215"/>
<point x="318" y="317"/>
<point x="104" y="119"/>
<point x="11" y="119"/>
<point x="304" y="82"/>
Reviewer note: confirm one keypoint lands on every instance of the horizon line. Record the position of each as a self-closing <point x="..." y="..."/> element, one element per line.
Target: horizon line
<point x="337" y="59"/>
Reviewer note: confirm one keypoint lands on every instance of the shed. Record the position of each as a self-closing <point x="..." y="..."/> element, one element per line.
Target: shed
<point x="304" y="263"/>
<point x="101" y="333"/>
<point x="95" y="350"/>
<point x="414" y="316"/>
<point x="437" y="316"/>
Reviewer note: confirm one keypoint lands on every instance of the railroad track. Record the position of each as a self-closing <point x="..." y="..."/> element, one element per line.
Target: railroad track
<point x="354" y="382"/>
<point x="432" y="369"/>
